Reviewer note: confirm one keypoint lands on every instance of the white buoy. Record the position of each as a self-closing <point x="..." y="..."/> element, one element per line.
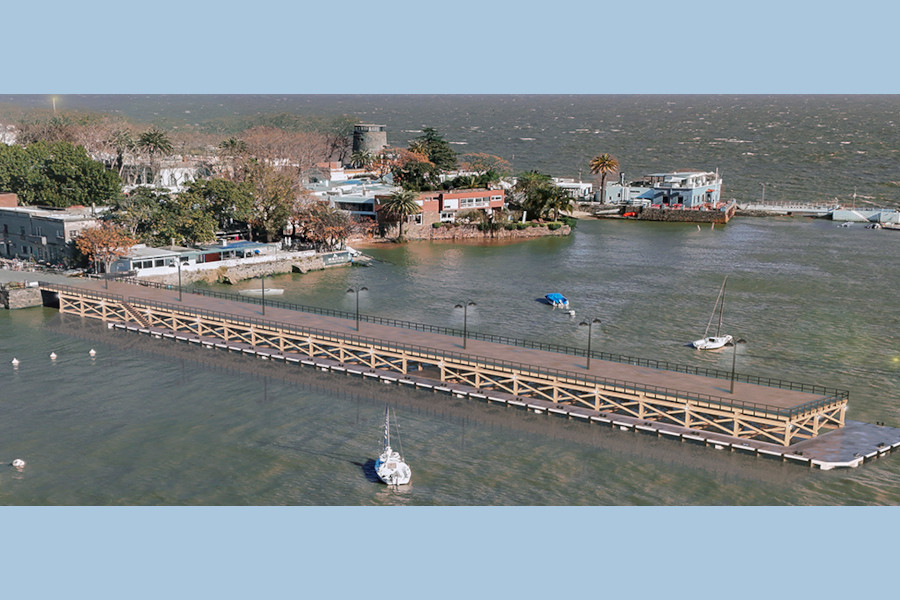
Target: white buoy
<point x="53" y="356"/>
<point x="18" y="463"/>
<point x="93" y="352"/>
<point x="15" y="362"/>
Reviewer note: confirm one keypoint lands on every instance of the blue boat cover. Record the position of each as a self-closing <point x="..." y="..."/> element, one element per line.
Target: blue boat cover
<point x="556" y="297"/>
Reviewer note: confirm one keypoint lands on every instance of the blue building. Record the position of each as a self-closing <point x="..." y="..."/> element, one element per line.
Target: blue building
<point x="692" y="190"/>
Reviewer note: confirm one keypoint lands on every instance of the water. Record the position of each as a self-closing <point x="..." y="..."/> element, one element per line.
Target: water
<point x="152" y="422"/>
<point x="149" y="422"/>
<point x="803" y="148"/>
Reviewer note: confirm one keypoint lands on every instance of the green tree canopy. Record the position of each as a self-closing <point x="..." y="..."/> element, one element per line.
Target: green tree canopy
<point x="438" y="150"/>
<point x="56" y="174"/>
<point x="229" y="203"/>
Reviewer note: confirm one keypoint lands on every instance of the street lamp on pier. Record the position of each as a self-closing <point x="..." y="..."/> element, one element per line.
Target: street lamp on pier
<point x="734" y="361"/>
<point x="465" y="306"/>
<point x="589" y="325"/>
<point x="357" y="290"/>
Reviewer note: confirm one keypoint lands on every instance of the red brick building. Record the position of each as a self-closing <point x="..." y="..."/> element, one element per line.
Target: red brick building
<point x="443" y="206"/>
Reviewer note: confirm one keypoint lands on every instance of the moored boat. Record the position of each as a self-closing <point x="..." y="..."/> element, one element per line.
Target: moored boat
<point x="389" y="466"/>
<point x="717" y="341"/>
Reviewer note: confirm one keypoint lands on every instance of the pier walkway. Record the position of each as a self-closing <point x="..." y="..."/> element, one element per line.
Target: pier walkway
<point x="772" y="411"/>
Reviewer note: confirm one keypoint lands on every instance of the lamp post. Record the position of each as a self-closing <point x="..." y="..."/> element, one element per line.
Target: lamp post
<point x="465" y="306"/>
<point x="179" y="278"/>
<point x="734" y="361"/>
<point x="262" y="283"/>
<point x="589" y="325"/>
<point x="357" y="290"/>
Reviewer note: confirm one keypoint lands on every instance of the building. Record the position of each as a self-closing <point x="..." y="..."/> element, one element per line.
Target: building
<point x="355" y="196"/>
<point x="445" y="206"/>
<point x="144" y="261"/>
<point x="692" y="190"/>
<point x="369" y="138"/>
<point x="577" y="190"/>
<point x="40" y="233"/>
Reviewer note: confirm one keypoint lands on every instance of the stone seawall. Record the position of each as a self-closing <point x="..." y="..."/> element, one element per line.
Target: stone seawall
<point x="20" y="297"/>
<point x="235" y="273"/>
<point x="670" y="215"/>
<point x="471" y="232"/>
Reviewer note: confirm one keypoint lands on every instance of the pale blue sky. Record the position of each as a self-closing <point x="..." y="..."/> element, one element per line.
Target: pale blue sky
<point x="463" y="46"/>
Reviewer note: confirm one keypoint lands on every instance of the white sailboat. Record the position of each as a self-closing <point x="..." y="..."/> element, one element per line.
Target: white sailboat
<point x="389" y="465"/>
<point x="708" y="342"/>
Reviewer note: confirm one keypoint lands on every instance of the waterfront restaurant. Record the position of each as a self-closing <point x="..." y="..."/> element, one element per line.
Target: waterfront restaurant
<point x="145" y="261"/>
<point x="680" y="189"/>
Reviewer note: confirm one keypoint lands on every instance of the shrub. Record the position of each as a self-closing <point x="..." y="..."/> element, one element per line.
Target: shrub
<point x="509" y="226"/>
<point x="553" y="226"/>
<point x="521" y="225"/>
<point x="437" y="225"/>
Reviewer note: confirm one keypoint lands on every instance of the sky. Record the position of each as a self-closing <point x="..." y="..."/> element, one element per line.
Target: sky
<point x="464" y="46"/>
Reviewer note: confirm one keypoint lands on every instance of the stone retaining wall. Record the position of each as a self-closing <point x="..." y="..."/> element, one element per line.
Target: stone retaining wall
<point x="16" y="297"/>
<point x="471" y="232"/>
<point x="670" y="215"/>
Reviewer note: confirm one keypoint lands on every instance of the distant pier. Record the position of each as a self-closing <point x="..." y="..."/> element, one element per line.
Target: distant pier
<point x="800" y="422"/>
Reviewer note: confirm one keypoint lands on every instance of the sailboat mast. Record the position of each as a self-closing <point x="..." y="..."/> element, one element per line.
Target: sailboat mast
<point x="387" y="429"/>
<point x="722" y="307"/>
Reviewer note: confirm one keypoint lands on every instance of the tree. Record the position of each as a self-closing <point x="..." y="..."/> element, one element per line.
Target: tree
<point x="273" y="193"/>
<point x="483" y="163"/>
<point x="56" y="174"/>
<point x="324" y="226"/>
<point x="229" y="203"/>
<point x="104" y="244"/>
<point x="362" y="159"/>
<point x="417" y="175"/>
<point x="603" y="164"/>
<point x="433" y="146"/>
<point x="138" y="212"/>
<point x="154" y="143"/>
<point x="121" y="142"/>
<point x="400" y="205"/>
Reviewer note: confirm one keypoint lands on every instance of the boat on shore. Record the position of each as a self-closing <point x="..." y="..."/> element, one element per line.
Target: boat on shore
<point x="717" y="341"/>
<point x="259" y="292"/>
<point x="389" y="466"/>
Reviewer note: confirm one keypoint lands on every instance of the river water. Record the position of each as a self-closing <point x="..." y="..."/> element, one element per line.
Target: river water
<point x="151" y="422"/>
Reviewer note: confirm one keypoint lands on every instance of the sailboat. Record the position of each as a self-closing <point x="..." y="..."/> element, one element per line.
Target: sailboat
<point x="389" y="466"/>
<point x="708" y="342"/>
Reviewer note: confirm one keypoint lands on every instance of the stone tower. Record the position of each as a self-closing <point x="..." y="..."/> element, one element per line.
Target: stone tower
<point x="369" y="138"/>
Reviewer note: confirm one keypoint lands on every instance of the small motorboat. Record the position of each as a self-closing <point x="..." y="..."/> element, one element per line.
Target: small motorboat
<point x="557" y="300"/>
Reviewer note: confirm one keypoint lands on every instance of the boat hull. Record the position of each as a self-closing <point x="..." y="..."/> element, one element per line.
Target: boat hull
<point x="390" y="468"/>
<point x="712" y="343"/>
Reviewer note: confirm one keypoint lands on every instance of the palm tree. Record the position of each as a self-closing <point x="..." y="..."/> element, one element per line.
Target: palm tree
<point x="559" y="200"/>
<point x="362" y="159"/>
<point x="122" y="142"/>
<point x="401" y="204"/>
<point x="603" y="165"/>
<point x="154" y="142"/>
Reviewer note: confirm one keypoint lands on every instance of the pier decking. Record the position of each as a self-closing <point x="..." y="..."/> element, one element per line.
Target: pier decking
<point x="780" y="413"/>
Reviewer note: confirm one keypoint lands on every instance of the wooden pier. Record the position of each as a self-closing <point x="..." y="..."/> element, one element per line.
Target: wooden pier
<point x="780" y="413"/>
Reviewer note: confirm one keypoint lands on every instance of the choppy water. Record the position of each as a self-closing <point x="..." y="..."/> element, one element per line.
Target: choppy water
<point x="152" y="422"/>
<point x="803" y="148"/>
